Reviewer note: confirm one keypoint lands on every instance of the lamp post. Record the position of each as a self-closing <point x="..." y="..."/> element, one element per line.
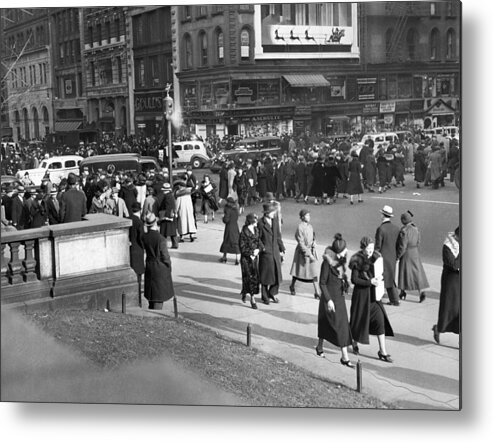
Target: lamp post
<point x="168" y="110"/>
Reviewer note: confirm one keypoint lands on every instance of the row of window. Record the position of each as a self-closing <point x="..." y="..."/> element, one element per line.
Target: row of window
<point x="153" y="71"/>
<point x="152" y="27"/>
<point x="31" y="38"/>
<point x="34" y="74"/>
<point x="67" y="22"/>
<point x="69" y="52"/>
<point x="106" y="72"/>
<point x="450" y="44"/>
<point x="216" y="53"/>
<point x="201" y="11"/>
<point x="95" y="34"/>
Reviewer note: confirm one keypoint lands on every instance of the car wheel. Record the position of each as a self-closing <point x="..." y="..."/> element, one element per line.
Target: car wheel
<point x="196" y="163"/>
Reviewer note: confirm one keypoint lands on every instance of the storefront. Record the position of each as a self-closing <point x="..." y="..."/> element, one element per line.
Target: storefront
<point x="149" y="110"/>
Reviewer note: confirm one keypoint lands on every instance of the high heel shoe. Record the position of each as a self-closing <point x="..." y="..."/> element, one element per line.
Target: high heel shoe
<point x="383" y="357"/>
<point x="360" y="201"/>
<point x="356" y="350"/>
<point x="237" y="263"/>
<point x="254" y="305"/>
<point x="436" y="335"/>
<point x="351" y="203"/>
<point x="292" y="290"/>
<point x="347" y="363"/>
<point x="422" y="297"/>
<point x="243" y="298"/>
<point x="319" y="353"/>
<point x="222" y="259"/>
<point x="403" y="295"/>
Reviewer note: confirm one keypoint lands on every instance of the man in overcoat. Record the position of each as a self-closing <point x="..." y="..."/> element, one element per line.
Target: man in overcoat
<point x="167" y="215"/>
<point x="53" y="207"/>
<point x="386" y="243"/>
<point x="136" y="237"/>
<point x="73" y="204"/>
<point x="20" y="211"/>
<point x="270" y="256"/>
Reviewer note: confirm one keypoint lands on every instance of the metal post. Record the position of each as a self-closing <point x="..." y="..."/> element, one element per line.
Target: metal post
<point x="359" y="380"/>
<point x="139" y="288"/>
<point x="249" y="335"/>
<point x="170" y="153"/>
<point x="124" y="303"/>
<point x="108" y="304"/>
<point x="175" y="306"/>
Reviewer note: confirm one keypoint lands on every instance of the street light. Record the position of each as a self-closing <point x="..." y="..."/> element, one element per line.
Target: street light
<point x="168" y="112"/>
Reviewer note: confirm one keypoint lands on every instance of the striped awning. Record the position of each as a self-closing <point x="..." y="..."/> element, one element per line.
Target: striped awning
<point x="306" y="80"/>
<point x="67" y="126"/>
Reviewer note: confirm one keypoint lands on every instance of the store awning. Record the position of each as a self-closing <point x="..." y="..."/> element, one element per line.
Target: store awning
<point x="306" y="80"/>
<point x="67" y="126"/>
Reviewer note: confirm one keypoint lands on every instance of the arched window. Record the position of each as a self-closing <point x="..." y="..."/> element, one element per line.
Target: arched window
<point x="388" y="41"/>
<point x="203" y="48"/>
<point x="434" y="44"/>
<point x="187" y="44"/>
<point x="451" y="44"/>
<point x="411" y="44"/>
<point x="245" y="44"/>
<point x="17" y="117"/>
<point x="220" y="46"/>
<point x="44" y="112"/>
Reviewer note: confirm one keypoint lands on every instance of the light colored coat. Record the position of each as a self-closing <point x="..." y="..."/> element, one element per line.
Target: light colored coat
<point x="184" y="210"/>
<point x="305" y="256"/>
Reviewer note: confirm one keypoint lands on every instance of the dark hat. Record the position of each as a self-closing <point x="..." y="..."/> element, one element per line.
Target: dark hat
<point x="338" y="245"/>
<point x="71" y="180"/>
<point x="387" y="211"/>
<point x="363" y="244"/>
<point x="230" y="200"/>
<point x="150" y="219"/>
<point x="303" y="212"/>
<point x="269" y="207"/>
<point x="135" y="207"/>
<point x="354" y="154"/>
<point x="269" y="196"/>
<point x="250" y="218"/>
<point x="406" y="217"/>
<point x="20" y="188"/>
<point x="32" y="190"/>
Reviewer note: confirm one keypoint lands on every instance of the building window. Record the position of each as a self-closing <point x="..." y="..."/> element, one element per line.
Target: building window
<point x="117" y="29"/>
<point x="245" y="44"/>
<point x="411" y="44"/>
<point x="93" y="74"/>
<point x="61" y="52"/>
<point x="187" y="13"/>
<point x="91" y="36"/>
<point x="99" y="34"/>
<point x="217" y="9"/>
<point x="106" y="73"/>
<point x="154" y="70"/>
<point x="434" y="44"/>
<point x="450" y="44"/>
<point x="120" y="70"/>
<point x="188" y="51"/>
<point x="142" y="81"/>
<point x="202" y="11"/>
<point x="108" y="32"/>
<point x="77" y="49"/>
<point x="433" y="8"/>
<point x="388" y="41"/>
<point x="203" y="48"/>
<point x="451" y="9"/>
<point x="220" y="46"/>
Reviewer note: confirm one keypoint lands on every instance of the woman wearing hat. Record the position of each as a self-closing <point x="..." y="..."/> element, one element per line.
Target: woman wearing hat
<point x="304" y="267"/>
<point x="184" y="209"/>
<point x="368" y="315"/>
<point x="333" y="324"/>
<point x="158" y="283"/>
<point x="449" y="308"/>
<point x="411" y="272"/>
<point x="250" y="247"/>
<point x="167" y="215"/>
<point x="354" y="186"/>
<point x="419" y="166"/>
<point x="231" y="230"/>
<point x="208" y="193"/>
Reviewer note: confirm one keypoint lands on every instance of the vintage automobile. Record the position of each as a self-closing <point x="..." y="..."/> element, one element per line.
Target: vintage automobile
<point x="56" y="167"/>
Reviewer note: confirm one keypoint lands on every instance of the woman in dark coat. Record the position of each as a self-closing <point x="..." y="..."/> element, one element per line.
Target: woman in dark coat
<point x="250" y="246"/>
<point x="241" y="188"/>
<point x="368" y="316"/>
<point x="158" y="283"/>
<point x="209" y="202"/>
<point x="223" y="182"/>
<point x="231" y="236"/>
<point x="261" y="180"/>
<point x="318" y="174"/>
<point x="419" y="166"/>
<point x="136" y="237"/>
<point x="343" y="166"/>
<point x="399" y="166"/>
<point x="354" y="186"/>
<point x="370" y="168"/>
<point x="332" y="176"/>
<point x="382" y="167"/>
<point x="411" y="271"/>
<point x="449" y="308"/>
<point x="168" y="215"/>
<point x="333" y="324"/>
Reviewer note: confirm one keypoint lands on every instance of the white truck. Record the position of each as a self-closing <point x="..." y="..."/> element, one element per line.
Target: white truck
<point x="57" y="167"/>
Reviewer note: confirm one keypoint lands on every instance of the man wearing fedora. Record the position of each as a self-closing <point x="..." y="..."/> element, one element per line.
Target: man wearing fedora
<point x="386" y="243"/>
<point x="20" y="211"/>
<point x="53" y="207"/>
<point x="73" y="204"/>
<point x="167" y="215"/>
<point x="270" y="256"/>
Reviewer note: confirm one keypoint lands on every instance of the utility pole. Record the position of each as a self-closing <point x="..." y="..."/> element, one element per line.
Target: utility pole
<point x="168" y="110"/>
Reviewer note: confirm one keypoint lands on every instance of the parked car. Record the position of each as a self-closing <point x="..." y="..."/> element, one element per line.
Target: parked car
<point x="128" y="162"/>
<point x="248" y="148"/>
<point x="380" y="138"/>
<point x="57" y="167"/>
<point x="444" y="131"/>
<point x="192" y="153"/>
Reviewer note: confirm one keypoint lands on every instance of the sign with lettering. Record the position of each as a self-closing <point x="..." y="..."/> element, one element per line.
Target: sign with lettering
<point x="387" y="107"/>
<point x="370" y="108"/>
<point x="149" y="103"/>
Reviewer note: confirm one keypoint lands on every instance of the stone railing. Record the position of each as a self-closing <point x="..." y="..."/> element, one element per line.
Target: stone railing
<point x="80" y="264"/>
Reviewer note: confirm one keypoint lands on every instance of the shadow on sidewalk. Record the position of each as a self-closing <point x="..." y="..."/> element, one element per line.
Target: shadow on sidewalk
<point x="201" y="257"/>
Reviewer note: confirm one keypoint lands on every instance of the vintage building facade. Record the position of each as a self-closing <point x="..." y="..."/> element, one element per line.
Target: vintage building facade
<point x="28" y="81"/>
<point x="105" y="61"/>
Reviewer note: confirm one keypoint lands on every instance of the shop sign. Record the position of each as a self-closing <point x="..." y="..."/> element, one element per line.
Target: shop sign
<point x="146" y="103"/>
<point x="303" y="110"/>
<point x="370" y="108"/>
<point x="366" y="88"/>
<point x="388" y="119"/>
<point x="387" y="107"/>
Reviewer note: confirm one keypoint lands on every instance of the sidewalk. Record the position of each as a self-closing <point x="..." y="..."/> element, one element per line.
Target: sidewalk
<point x="424" y="375"/>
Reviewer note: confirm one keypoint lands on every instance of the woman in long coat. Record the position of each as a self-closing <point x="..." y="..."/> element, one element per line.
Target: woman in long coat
<point x="250" y="246"/>
<point x="318" y="174"/>
<point x="370" y="168"/>
<point x="419" y="166"/>
<point x="231" y="236"/>
<point x="208" y="194"/>
<point x="368" y="315"/>
<point x="411" y="272"/>
<point x="168" y="215"/>
<point x="382" y="167"/>
<point x="158" y="283"/>
<point x="449" y="308"/>
<point x="333" y="324"/>
<point x="332" y="176"/>
<point x="241" y="188"/>
<point x="184" y="210"/>
<point x="435" y="167"/>
<point x="343" y="166"/>
<point x="399" y="166"/>
<point x="354" y="186"/>
<point x="304" y="267"/>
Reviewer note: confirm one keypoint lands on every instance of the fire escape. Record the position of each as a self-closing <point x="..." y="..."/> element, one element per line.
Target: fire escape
<point x="399" y="10"/>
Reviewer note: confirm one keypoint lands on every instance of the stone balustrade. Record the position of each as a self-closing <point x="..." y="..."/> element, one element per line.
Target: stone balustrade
<point x="80" y="264"/>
